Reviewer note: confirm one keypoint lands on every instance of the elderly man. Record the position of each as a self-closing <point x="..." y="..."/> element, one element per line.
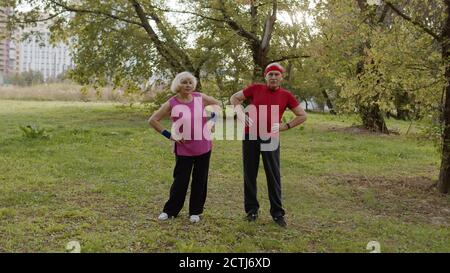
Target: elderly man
<point x="266" y="98"/>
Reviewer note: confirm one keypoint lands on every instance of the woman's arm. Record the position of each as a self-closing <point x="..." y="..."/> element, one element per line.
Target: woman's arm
<point x="154" y="121"/>
<point x="237" y="98"/>
<point x="214" y="106"/>
<point x="162" y="112"/>
<point x="208" y="100"/>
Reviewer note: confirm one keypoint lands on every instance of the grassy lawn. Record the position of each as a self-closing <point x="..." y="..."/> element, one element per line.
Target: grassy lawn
<point x="103" y="177"/>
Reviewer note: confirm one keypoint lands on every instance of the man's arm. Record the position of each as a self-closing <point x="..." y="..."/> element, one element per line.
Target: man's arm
<point x="300" y="117"/>
<point x="236" y="100"/>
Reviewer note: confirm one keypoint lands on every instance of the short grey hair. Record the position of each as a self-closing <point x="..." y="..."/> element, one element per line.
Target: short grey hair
<point x="179" y="78"/>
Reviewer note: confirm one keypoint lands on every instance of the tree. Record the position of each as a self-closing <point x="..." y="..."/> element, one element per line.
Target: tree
<point x="443" y="39"/>
<point x="367" y="53"/>
<point x="123" y="42"/>
<point x="254" y="23"/>
<point x="126" y="41"/>
<point x="303" y="76"/>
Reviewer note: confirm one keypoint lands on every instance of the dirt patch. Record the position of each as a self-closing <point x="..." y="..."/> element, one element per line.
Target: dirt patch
<point x="359" y="129"/>
<point x="412" y="198"/>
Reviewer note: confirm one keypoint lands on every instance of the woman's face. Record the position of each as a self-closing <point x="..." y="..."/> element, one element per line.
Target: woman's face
<point x="186" y="86"/>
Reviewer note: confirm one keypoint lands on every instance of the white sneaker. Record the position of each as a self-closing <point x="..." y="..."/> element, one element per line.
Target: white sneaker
<point x="194" y="218"/>
<point x="163" y="216"/>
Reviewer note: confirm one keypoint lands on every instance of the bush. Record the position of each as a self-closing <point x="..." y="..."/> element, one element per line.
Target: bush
<point x="33" y="131"/>
<point x="27" y="78"/>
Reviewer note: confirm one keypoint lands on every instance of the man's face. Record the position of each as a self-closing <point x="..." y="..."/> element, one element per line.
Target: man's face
<point x="274" y="79"/>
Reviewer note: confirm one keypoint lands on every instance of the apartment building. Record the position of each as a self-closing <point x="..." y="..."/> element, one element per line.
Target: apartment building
<point x="9" y="55"/>
<point x="4" y="44"/>
<point x="38" y="54"/>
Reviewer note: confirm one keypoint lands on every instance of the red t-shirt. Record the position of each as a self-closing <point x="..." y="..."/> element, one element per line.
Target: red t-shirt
<point x="260" y="95"/>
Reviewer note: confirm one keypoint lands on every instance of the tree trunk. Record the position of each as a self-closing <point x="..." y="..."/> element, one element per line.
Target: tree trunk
<point x="199" y="82"/>
<point x="259" y="62"/>
<point x="328" y="102"/>
<point x="401" y="99"/>
<point x="372" y="119"/>
<point x="444" y="176"/>
<point x="371" y="116"/>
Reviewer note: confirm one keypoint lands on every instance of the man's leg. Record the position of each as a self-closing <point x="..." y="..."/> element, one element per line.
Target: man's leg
<point x="271" y="160"/>
<point x="181" y="176"/>
<point x="199" y="184"/>
<point x="250" y="156"/>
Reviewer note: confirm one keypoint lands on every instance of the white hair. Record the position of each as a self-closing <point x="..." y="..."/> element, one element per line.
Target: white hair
<point x="175" y="87"/>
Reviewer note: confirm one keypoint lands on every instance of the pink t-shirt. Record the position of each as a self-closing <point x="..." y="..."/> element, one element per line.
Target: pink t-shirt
<point x="189" y="120"/>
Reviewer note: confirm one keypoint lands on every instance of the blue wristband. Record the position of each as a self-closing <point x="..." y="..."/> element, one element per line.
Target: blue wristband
<point x="166" y="133"/>
<point x="213" y="117"/>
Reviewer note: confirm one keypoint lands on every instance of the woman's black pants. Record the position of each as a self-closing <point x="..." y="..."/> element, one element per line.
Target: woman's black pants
<point x="185" y="165"/>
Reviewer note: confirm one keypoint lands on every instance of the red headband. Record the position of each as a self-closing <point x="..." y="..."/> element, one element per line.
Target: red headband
<point x="273" y="68"/>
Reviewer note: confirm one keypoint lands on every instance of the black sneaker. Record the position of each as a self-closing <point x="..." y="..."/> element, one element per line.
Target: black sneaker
<point x="251" y="217"/>
<point x="280" y="221"/>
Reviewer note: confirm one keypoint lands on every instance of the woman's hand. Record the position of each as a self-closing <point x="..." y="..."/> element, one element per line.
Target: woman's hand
<point x="177" y="138"/>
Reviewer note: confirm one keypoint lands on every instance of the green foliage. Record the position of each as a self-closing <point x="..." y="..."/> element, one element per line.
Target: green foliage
<point x="27" y="78"/>
<point x="111" y="46"/>
<point x="158" y="99"/>
<point x="402" y="73"/>
<point x="34" y="132"/>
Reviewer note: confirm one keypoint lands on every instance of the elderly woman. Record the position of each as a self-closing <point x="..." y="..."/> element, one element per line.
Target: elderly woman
<point x="192" y="145"/>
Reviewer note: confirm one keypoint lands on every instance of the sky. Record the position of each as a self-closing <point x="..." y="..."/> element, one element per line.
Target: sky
<point x="178" y="19"/>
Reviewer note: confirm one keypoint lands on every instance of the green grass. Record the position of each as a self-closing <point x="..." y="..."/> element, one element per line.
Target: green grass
<point x="103" y="176"/>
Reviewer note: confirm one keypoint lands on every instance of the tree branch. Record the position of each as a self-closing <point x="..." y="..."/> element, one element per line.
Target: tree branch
<point x="190" y="12"/>
<point x="208" y="54"/>
<point x="78" y="10"/>
<point x="162" y="49"/>
<point x="253" y="14"/>
<point x="414" y="22"/>
<point x="235" y="26"/>
<point x="268" y="28"/>
<point x="383" y="14"/>
<point x="170" y="42"/>
<point x="290" y="57"/>
<point x="41" y="20"/>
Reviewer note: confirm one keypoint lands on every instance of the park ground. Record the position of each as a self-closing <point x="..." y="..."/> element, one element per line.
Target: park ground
<point x="100" y="176"/>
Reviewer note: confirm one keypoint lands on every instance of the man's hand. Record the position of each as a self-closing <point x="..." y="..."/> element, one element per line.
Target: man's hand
<point x="248" y="121"/>
<point x="245" y="119"/>
<point x="277" y="127"/>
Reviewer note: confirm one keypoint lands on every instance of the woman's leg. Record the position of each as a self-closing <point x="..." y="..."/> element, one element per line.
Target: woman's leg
<point x="181" y="176"/>
<point x="199" y="185"/>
